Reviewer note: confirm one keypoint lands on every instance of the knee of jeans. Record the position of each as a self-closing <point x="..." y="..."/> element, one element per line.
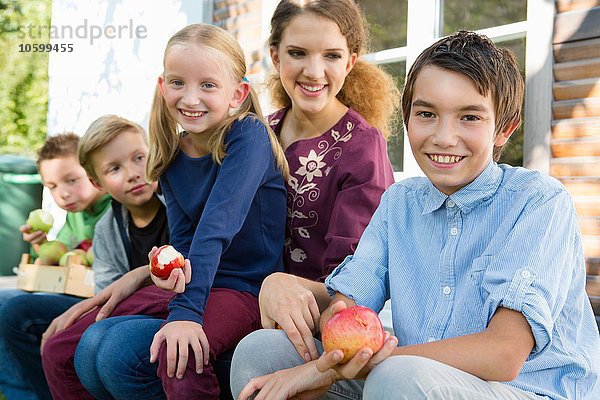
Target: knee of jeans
<point x="86" y="351"/>
<point x="11" y="316"/>
<point x="404" y="376"/>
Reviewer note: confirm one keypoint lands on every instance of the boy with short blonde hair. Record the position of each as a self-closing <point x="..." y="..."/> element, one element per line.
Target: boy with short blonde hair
<point x="483" y="263"/>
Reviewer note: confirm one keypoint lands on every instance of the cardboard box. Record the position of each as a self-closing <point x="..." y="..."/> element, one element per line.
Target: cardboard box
<point x="74" y="278"/>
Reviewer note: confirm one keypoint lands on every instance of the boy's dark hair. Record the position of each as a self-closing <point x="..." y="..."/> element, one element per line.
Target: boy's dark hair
<point x="59" y="146"/>
<point x="494" y="71"/>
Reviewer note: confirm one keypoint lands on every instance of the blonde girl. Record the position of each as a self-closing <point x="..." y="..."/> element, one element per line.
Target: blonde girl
<point x="221" y="170"/>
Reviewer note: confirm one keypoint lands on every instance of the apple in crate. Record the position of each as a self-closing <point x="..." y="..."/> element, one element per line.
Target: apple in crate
<point x="51" y="251"/>
<point x="85" y="244"/>
<point x="352" y="329"/>
<point x="164" y="260"/>
<point x="40" y="220"/>
<point x="81" y="258"/>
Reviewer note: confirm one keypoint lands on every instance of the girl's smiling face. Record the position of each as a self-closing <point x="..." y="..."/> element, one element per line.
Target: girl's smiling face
<point x="197" y="87"/>
<point x="451" y="128"/>
<point x="313" y="61"/>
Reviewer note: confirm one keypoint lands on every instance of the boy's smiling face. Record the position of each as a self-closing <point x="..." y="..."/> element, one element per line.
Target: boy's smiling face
<point x="452" y="128"/>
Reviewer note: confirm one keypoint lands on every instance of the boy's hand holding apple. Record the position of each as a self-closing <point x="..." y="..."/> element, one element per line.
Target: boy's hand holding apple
<point x="354" y="340"/>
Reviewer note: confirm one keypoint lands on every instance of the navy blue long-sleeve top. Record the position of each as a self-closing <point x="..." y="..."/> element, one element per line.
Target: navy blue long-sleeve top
<point x="228" y="219"/>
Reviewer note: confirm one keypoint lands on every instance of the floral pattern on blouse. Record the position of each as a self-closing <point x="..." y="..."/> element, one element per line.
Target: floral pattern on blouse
<point x="305" y="185"/>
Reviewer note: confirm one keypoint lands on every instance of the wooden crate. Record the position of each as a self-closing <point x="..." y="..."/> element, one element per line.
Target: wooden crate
<point x="74" y="278"/>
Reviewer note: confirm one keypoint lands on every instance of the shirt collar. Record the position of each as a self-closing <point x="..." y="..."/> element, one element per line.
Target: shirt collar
<point x="467" y="198"/>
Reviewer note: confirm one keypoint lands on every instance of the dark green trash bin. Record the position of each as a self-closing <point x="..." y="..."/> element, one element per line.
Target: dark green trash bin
<point x="20" y="192"/>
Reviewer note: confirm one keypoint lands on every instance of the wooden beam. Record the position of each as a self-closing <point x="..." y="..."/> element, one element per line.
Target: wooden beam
<point x="591" y="246"/>
<point x="578" y="108"/>
<point x="570" y="5"/>
<point x="593" y="266"/>
<point x="577" y="89"/>
<point x="589" y="226"/>
<point x="578" y="69"/>
<point x="576" y="147"/>
<point x="572" y="51"/>
<point x="588" y="206"/>
<point x="583" y="186"/>
<point x="576" y="128"/>
<point x="576" y="166"/>
<point x="580" y="24"/>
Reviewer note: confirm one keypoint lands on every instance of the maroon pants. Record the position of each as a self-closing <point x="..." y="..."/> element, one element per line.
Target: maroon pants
<point x="229" y="316"/>
<point x="59" y="351"/>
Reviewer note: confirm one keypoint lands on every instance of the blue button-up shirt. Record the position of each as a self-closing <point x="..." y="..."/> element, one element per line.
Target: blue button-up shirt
<point x="509" y="239"/>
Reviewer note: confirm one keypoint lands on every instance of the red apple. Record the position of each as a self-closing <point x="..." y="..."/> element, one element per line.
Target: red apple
<point x="85" y="244"/>
<point x="164" y="260"/>
<point x="351" y="330"/>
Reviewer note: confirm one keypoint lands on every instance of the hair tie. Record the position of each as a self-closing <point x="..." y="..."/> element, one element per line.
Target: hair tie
<point x="244" y="79"/>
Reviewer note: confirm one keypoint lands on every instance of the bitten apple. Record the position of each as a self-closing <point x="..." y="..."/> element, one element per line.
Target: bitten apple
<point x="165" y="260"/>
<point x="40" y="220"/>
<point x="351" y="330"/>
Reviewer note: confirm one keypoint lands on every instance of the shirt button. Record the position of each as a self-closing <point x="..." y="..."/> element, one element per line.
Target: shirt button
<point x="454" y="231"/>
<point x="525" y="274"/>
<point x="446" y="290"/>
<point x="451" y="203"/>
<point x="431" y="339"/>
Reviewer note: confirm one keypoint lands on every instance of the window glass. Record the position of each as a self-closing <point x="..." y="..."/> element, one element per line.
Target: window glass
<point x="396" y="140"/>
<point x="387" y="22"/>
<point x="480" y="14"/>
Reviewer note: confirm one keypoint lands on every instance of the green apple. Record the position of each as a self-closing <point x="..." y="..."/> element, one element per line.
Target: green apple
<point x="90" y="256"/>
<point x="50" y="252"/>
<point x="40" y="220"/>
<point x="81" y="257"/>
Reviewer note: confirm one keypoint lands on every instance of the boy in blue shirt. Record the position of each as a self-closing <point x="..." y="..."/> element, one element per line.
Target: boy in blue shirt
<point x="483" y="263"/>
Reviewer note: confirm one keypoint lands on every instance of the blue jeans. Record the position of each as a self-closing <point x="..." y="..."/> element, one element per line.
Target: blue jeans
<point x="106" y="366"/>
<point x="397" y="377"/>
<point x="23" y="319"/>
<point x="13" y="383"/>
<point x="115" y="363"/>
<point x="277" y="353"/>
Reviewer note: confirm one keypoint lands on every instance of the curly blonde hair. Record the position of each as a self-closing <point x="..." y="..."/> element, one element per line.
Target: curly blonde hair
<point x="368" y="89"/>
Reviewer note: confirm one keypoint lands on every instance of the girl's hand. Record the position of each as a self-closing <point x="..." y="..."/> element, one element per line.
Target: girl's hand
<point x="33" y="237"/>
<point x="286" y="304"/>
<point x="177" y="279"/>
<point x="179" y="337"/>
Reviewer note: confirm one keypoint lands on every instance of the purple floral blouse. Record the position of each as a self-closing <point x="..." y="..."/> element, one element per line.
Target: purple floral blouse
<point x="335" y="184"/>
